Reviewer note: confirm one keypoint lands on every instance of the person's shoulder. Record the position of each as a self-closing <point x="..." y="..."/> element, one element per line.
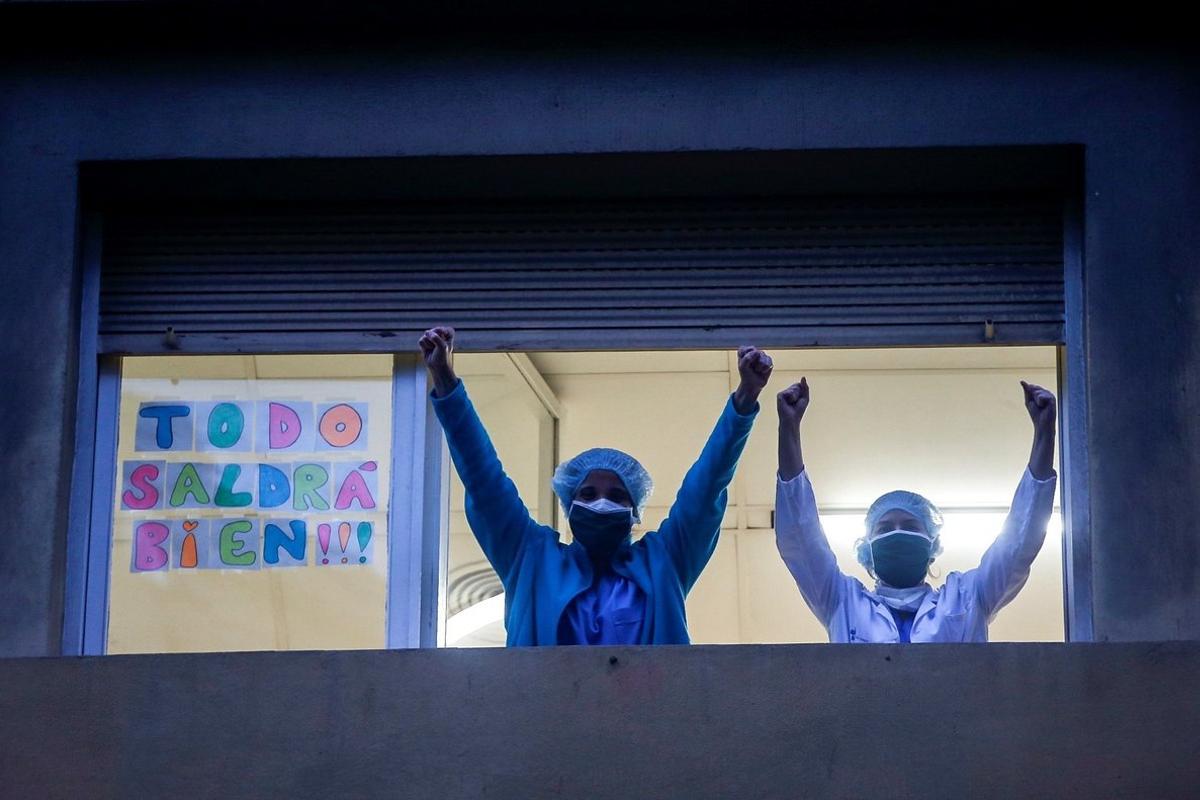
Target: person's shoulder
<point x="544" y="541"/>
<point x="544" y="533"/>
<point x="856" y="586"/>
<point x="957" y="584"/>
<point x="650" y="544"/>
<point x="647" y="541"/>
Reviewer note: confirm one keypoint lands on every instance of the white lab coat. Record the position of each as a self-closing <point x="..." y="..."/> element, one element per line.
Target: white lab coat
<point x="957" y="612"/>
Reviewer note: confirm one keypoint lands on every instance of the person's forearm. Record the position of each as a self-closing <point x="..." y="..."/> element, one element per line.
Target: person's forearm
<point x="744" y="400"/>
<point x="791" y="459"/>
<point x="498" y="518"/>
<point x="693" y="524"/>
<point x="714" y="468"/>
<point x="1041" y="455"/>
<point x="444" y="381"/>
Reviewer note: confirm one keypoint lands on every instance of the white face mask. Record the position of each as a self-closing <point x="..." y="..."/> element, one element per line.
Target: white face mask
<point x="874" y="537"/>
<point x="603" y="505"/>
<point x="902" y="599"/>
<point x="600" y="526"/>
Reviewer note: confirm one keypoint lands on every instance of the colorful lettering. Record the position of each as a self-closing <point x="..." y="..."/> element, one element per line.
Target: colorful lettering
<point x="274" y="538"/>
<point x="283" y="426"/>
<point x="148" y="552"/>
<point x="307" y="479"/>
<point x="354" y="487"/>
<point x="164" y="437"/>
<point x="188" y="558"/>
<point x="340" y="426"/>
<point x="141" y="480"/>
<point x="323" y="532"/>
<point x="225" y="425"/>
<point x="233" y="549"/>
<point x="365" y="529"/>
<point x="273" y="486"/>
<point x="226" y="497"/>
<point x="187" y="483"/>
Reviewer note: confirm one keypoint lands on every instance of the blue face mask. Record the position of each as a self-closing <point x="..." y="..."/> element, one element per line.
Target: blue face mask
<point x="901" y="558"/>
<point x="600" y="526"/>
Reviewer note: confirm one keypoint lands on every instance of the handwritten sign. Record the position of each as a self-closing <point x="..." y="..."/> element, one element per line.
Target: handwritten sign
<point x="240" y="427"/>
<point x="213" y="456"/>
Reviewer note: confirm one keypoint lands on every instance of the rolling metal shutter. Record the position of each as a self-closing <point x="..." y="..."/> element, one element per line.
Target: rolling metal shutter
<point x="791" y="271"/>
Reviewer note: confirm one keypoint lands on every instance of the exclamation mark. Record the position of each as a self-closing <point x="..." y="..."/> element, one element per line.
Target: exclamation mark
<point x="364" y="538"/>
<point x="323" y="532"/>
<point x="344" y="538"/>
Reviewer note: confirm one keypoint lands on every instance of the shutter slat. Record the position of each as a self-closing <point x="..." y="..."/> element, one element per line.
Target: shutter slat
<point x="866" y="270"/>
<point x="602" y="318"/>
<point x="323" y="263"/>
<point x="498" y="280"/>
<point x="569" y="241"/>
<point x="283" y="301"/>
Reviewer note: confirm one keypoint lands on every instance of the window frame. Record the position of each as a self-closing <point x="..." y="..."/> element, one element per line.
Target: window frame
<point x="1078" y="609"/>
<point x="418" y="515"/>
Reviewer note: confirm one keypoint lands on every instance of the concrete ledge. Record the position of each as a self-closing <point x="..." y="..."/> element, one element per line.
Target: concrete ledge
<point x="1001" y="720"/>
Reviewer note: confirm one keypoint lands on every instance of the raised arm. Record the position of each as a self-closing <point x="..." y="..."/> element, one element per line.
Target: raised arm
<point x="437" y="350"/>
<point x="1043" y="412"/>
<point x="498" y="518"/>
<point x="791" y="404"/>
<point x="1005" y="566"/>
<point x="798" y="535"/>
<point x="692" y="527"/>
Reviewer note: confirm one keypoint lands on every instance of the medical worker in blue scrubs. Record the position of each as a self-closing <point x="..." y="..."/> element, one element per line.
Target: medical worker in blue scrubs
<point x="603" y="588"/>
<point x="900" y="541"/>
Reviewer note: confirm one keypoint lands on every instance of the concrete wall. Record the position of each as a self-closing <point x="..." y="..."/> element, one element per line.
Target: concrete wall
<point x="164" y="98"/>
<point x="814" y="721"/>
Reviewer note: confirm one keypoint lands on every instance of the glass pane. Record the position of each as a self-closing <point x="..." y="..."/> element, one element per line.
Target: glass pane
<point x="522" y="431"/>
<point x="947" y="422"/>
<point x="251" y="504"/>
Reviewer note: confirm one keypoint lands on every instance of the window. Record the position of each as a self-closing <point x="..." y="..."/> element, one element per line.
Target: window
<point x="521" y="415"/>
<point x="947" y="422"/>
<point x="251" y="499"/>
<point x="848" y="265"/>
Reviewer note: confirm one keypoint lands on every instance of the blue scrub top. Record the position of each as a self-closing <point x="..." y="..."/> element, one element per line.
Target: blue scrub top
<point x="904" y="622"/>
<point x="610" y="611"/>
<point x="543" y="577"/>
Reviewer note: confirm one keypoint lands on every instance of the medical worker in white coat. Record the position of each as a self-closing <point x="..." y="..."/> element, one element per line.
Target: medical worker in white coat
<point x="901" y="540"/>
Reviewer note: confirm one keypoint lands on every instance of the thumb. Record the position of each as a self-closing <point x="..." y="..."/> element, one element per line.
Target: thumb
<point x="1027" y="391"/>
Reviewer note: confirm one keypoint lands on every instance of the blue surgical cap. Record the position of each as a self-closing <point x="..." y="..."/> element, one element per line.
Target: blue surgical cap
<point x="570" y="474"/>
<point x="910" y="502"/>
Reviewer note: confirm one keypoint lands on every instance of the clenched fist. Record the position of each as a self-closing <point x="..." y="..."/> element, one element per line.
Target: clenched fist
<point x="754" y="367"/>
<point x="1043" y="411"/>
<point x="1041" y="406"/>
<point x="437" y="350"/>
<point x="791" y="403"/>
